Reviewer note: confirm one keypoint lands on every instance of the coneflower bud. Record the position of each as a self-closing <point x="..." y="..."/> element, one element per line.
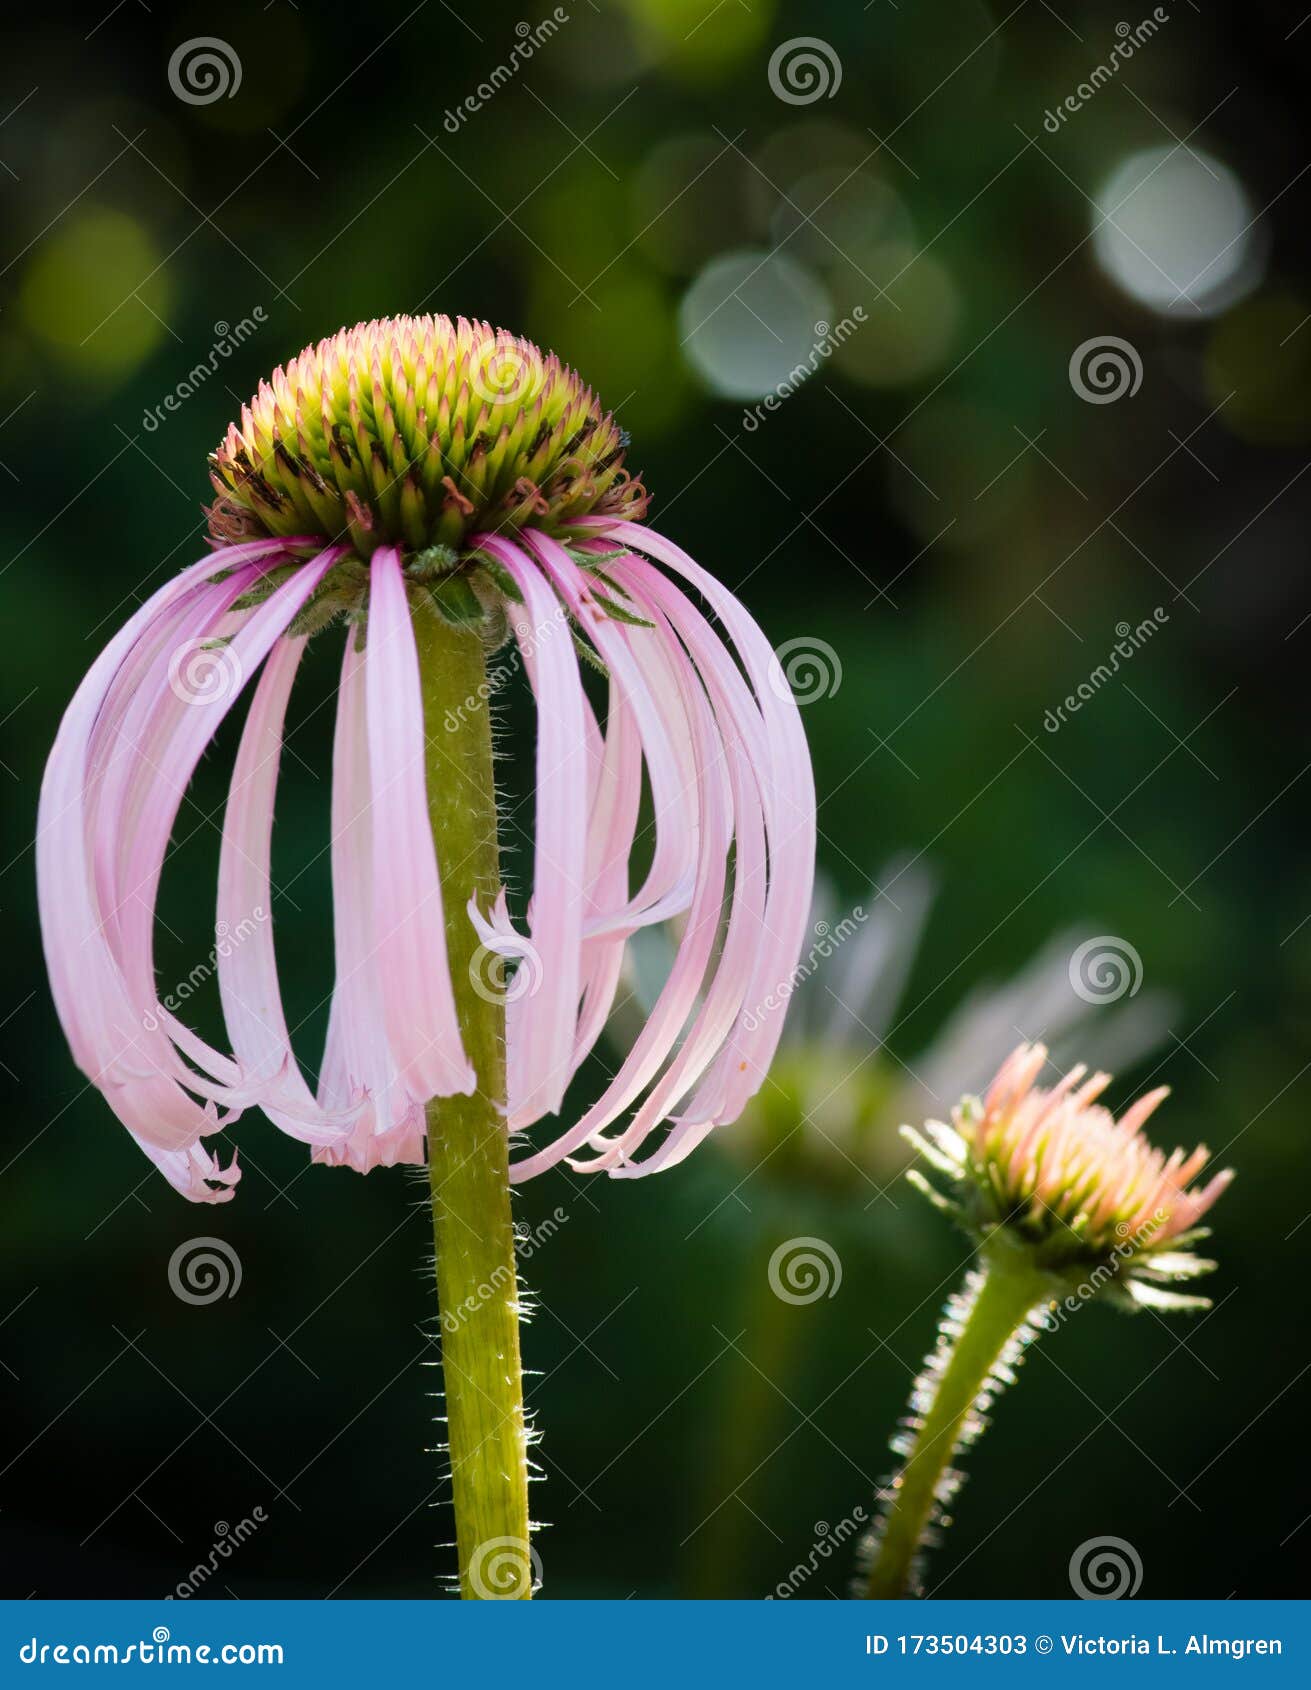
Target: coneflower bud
<point x="1067" y="1204"/>
<point x="1078" y="1189"/>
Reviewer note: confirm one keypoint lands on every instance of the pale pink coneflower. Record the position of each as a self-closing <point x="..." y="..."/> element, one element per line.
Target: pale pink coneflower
<point x="444" y="489"/>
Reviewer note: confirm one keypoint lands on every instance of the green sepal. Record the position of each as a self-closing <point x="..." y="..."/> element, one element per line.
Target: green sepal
<point x="935" y="1157"/>
<point x="1149" y="1296"/>
<point x="617" y="613"/>
<point x="341" y="589"/>
<point x="926" y="1189"/>
<point x="432" y="562"/>
<point x="319" y="613"/>
<point x="265" y="587"/>
<point x="593" y="560"/>
<point x="588" y="653"/>
<point x="455" y="602"/>
<point x="499" y="574"/>
<point x="1174" y="1264"/>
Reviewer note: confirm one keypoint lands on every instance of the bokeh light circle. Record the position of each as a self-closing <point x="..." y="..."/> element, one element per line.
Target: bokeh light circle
<point x="1173" y="228"/>
<point x="749" y="319"/>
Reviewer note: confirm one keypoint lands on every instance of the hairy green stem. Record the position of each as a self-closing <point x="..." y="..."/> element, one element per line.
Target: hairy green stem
<point x="468" y="1152"/>
<point x="1004" y="1293"/>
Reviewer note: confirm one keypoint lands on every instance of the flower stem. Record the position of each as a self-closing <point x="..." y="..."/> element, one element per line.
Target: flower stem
<point x="959" y="1380"/>
<point x="468" y="1151"/>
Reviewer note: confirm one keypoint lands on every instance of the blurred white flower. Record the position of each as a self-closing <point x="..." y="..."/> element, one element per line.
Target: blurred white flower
<point x="846" y="1076"/>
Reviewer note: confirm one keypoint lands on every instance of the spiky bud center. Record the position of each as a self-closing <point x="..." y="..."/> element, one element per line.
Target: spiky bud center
<point x="1066" y="1180"/>
<point x="417" y="432"/>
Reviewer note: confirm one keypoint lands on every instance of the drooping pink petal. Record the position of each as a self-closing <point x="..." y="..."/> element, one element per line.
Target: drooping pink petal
<point x="667" y="888"/>
<point x="179" y="722"/>
<point x="612" y="824"/>
<point x="723" y="999"/>
<point x="788" y="794"/>
<point x="418" y="1002"/>
<point x="684" y="711"/>
<point x="247" y="964"/>
<point x="541" y="1022"/>
<point x="359" y="1071"/>
<point x="121" y="1049"/>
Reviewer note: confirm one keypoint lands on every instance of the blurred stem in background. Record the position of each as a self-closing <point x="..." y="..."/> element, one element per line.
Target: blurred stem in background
<point x="468" y="1149"/>
<point x="769" y="1340"/>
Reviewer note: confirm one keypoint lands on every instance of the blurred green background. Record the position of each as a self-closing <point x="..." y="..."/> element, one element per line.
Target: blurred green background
<point x="942" y="511"/>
